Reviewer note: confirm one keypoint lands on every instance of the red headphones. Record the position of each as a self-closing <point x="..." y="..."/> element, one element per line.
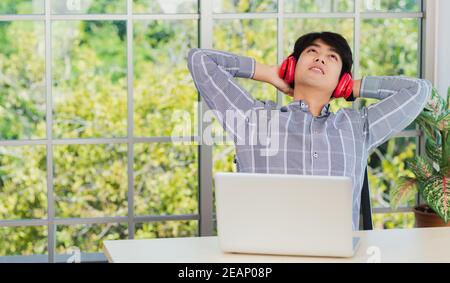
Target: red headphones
<point x="343" y="89"/>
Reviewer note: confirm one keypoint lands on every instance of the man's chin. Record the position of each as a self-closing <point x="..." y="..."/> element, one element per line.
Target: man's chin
<point x="313" y="82"/>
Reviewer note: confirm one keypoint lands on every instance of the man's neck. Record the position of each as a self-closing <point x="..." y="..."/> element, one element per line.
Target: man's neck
<point x="316" y="99"/>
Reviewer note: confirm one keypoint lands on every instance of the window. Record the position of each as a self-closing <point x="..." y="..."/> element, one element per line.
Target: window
<point x="87" y="93"/>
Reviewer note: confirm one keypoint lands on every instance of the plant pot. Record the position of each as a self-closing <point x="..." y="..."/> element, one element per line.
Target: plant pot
<point x="426" y="217"/>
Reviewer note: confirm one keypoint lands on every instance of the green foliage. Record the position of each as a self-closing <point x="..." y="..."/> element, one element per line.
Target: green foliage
<point x="386" y="164"/>
<point x="301" y="6"/>
<point x="244" y="6"/>
<point x="22" y="6"/>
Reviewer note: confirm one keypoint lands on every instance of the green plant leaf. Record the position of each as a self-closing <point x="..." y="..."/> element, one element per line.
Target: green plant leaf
<point x="421" y="168"/>
<point x="435" y="104"/>
<point x="433" y="150"/>
<point x="428" y="123"/>
<point x="431" y="132"/>
<point x="405" y="189"/>
<point x="437" y="195"/>
<point x="448" y="98"/>
<point x="443" y="122"/>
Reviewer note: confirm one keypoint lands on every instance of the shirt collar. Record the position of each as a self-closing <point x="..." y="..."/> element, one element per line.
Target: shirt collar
<point x="303" y="105"/>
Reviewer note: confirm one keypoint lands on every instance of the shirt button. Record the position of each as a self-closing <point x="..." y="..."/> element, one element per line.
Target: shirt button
<point x="315" y="155"/>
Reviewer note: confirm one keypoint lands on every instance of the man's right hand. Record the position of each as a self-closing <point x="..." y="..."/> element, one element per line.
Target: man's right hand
<point x="280" y="84"/>
<point x="270" y="74"/>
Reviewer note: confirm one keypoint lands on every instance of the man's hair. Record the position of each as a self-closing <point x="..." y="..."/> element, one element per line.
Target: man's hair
<point x="334" y="40"/>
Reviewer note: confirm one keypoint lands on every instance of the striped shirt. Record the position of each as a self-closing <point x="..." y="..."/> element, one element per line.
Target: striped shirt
<point x="337" y="144"/>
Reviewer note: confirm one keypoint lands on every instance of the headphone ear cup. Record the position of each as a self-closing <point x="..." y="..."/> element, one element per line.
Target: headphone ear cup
<point x="290" y="72"/>
<point x="345" y="84"/>
<point x="283" y="69"/>
<point x="349" y="89"/>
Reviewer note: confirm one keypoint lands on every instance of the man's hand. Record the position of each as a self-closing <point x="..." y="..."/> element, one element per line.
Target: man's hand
<point x="269" y="74"/>
<point x="280" y="84"/>
<point x="356" y="88"/>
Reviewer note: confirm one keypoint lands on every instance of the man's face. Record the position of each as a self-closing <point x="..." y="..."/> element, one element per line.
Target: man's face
<point x="319" y="66"/>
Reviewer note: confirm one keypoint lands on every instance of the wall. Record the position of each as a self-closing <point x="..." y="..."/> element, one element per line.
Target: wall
<point x="443" y="57"/>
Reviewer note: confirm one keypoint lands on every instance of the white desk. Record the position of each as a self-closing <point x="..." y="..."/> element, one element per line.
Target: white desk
<point x="408" y="245"/>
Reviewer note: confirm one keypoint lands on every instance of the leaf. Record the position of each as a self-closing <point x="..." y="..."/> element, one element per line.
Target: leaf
<point x="435" y="104"/>
<point x="405" y="190"/>
<point x="428" y="122"/>
<point x="427" y="117"/>
<point x="421" y="168"/>
<point x="448" y="98"/>
<point x="437" y="195"/>
<point x="433" y="150"/>
<point x="444" y="121"/>
<point x="431" y="131"/>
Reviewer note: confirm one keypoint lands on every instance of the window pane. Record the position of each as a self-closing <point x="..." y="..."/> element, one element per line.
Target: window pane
<point x="254" y="38"/>
<point x="391" y="5"/>
<point x="164" y="93"/>
<point x="165" y="179"/>
<point x="315" y="6"/>
<point x="245" y="6"/>
<point x="22" y="80"/>
<point x="90" y="180"/>
<point x="387" y="163"/>
<point x="23" y="240"/>
<point x="87" y="238"/>
<point x="165" y="6"/>
<point x="90" y="79"/>
<point x="22" y="7"/>
<point x="23" y="182"/>
<point x="382" y="57"/>
<point x="167" y="229"/>
<point x="294" y="28"/>
<point x="223" y="158"/>
<point x="89" y="6"/>
<point x="393" y="220"/>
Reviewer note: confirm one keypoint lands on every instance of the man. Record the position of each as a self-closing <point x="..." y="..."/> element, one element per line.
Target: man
<point x="312" y="140"/>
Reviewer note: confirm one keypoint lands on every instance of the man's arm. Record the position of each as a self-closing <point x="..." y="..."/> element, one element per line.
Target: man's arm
<point x="402" y="100"/>
<point x="214" y="74"/>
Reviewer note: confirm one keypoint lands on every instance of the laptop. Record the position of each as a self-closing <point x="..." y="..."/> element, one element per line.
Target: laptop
<point x="285" y="214"/>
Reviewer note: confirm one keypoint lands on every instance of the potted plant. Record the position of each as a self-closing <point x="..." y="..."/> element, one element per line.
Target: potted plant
<point x="431" y="174"/>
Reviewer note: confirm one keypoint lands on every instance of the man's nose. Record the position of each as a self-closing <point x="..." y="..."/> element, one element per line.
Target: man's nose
<point x="319" y="60"/>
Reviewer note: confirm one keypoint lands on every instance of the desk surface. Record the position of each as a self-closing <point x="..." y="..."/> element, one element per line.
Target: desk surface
<point x="405" y="245"/>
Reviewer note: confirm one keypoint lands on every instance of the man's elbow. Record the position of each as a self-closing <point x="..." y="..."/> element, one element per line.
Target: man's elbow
<point x="420" y="87"/>
<point x="192" y="52"/>
<point x="194" y="61"/>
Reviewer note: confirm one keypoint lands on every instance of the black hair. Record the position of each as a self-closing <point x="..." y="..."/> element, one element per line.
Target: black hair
<point x="334" y="40"/>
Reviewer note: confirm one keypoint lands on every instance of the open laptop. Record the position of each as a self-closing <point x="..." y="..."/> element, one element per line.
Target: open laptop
<point x="285" y="214"/>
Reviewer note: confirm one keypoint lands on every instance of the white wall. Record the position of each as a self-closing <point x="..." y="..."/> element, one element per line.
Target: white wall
<point x="443" y="56"/>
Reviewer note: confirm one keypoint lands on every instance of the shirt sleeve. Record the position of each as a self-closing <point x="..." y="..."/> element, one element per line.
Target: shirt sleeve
<point x="214" y="74"/>
<point x="402" y="100"/>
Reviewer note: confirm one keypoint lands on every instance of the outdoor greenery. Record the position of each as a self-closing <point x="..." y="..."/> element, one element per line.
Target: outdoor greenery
<point x="90" y="100"/>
